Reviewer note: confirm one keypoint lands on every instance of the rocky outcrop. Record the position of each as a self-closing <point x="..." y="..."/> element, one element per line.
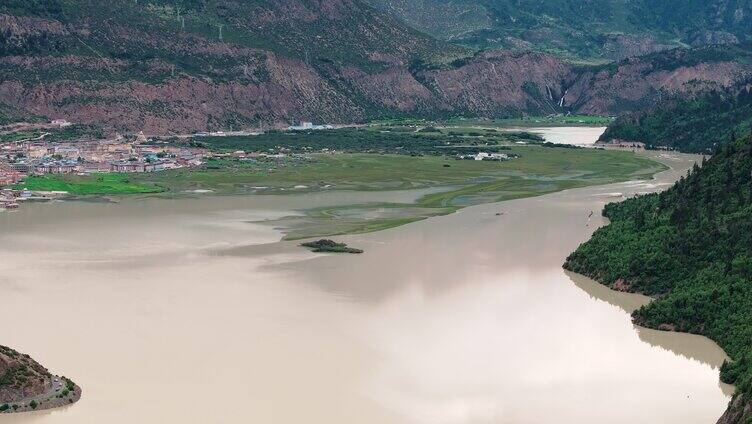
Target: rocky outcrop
<point x="20" y="376"/>
<point x="637" y="83"/>
<point x="739" y="411"/>
<point x="25" y="385"/>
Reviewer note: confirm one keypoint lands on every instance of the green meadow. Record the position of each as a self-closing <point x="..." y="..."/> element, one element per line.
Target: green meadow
<point x="97" y="184"/>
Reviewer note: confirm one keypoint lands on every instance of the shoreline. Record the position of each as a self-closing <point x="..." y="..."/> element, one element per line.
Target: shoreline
<point x="343" y="294"/>
<point x="440" y="197"/>
<point x="58" y="395"/>
<point x="739" y="405"/>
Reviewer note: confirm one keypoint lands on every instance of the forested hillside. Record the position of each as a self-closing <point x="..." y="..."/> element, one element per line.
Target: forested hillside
<point x="698" y="123"/>
<point x="579" y="29"/>
<point x="692" y="247"/>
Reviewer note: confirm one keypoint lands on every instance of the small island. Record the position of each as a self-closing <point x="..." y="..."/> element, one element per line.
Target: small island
<point x="330" y="246"/>
<point x="25" y="385"/>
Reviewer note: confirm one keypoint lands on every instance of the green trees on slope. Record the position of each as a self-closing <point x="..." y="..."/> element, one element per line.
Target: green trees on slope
<point x="697" y="124"/>
<point x="690" y="246"/>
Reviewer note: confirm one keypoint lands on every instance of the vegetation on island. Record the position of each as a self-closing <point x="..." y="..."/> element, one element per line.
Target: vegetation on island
<point x="423" y="139"/>
<point x="691" y="247"/>
<point x="696" y="124"/>
<point x="330" y="246"/>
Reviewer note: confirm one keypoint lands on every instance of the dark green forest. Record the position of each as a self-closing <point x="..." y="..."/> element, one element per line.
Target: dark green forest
<point x="691" y="247"/>
<point x="392" y="140"/>
<point x="696" y="125"/>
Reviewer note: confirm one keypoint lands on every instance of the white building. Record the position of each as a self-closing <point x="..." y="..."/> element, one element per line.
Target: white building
<point x="488" y="156"/>
<point x="62" y="123"/>
<point x="309" y="126"/>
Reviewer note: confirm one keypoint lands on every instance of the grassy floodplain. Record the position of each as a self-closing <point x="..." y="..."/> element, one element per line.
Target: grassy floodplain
<point x="99" y="184"/>
<point x="459" y="183"/>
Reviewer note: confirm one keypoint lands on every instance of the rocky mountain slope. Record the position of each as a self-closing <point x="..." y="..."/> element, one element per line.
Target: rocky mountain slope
<point x="176" y="66"/>
<point x="20" y="376"/>
<point x="590" y="29"/>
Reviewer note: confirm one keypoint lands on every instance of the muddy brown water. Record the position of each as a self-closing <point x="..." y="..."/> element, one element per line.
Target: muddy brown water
<point x="579" y="136"/>
<point x="189" y="311"/>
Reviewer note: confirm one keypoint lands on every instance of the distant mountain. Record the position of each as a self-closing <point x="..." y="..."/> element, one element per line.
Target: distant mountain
<point x="177" y="66"/>
<point x="579" y="29"/>
<point x="635" y="84"/>
<point x="691" y="248"/>
<point x="208" y="63"/>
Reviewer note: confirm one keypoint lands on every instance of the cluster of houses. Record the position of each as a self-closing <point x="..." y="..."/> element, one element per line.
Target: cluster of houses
<point x="39" y="157"/>
<point x="8" y="175"/>
<point x="486" y="156"/>
<point x="306" y="126"/>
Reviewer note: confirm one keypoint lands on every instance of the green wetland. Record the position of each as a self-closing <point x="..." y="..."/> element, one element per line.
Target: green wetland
<point x="454" y="184"/>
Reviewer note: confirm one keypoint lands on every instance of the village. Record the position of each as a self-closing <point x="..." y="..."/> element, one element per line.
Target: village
<point x="39" y="149"/>
<point x="46" y="155"/>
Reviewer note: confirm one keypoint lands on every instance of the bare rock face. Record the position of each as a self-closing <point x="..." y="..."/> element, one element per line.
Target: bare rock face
<point x="501" y="82"/>
<point x="739" y="411"/>
<point x="20" y="376"/>
<point x="638" y="83"/>
<point x="394" y="88"/>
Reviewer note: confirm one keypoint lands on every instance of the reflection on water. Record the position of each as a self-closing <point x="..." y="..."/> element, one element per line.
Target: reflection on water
<point x="688" y="346"/>
<point x="629" y="302"/>
<point x="186" y="311"/>
<point x="579" y="136"/>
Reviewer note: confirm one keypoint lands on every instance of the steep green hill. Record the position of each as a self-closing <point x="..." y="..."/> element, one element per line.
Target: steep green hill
<point x="690" y="246"/>
<point x="696" y="124"/>
<point x="582" y="29"/>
